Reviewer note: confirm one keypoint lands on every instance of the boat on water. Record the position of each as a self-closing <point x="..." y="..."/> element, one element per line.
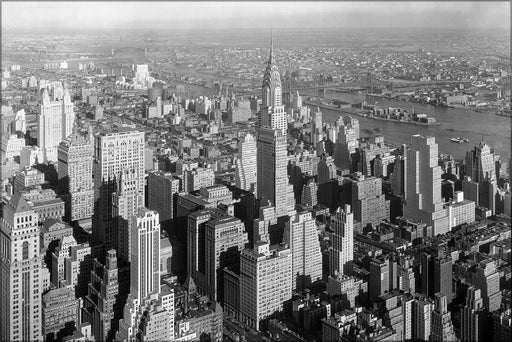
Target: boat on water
<point x="459" y="140"/>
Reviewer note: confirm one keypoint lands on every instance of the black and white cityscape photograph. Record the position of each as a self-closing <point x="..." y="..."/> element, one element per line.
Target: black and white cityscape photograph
<point x="238" y="171"/>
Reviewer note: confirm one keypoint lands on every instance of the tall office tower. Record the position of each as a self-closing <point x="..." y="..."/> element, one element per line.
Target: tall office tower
<point x="272" y="169"/>
<point x="265" y="282"/>
<point x="162" y="190"/>
<point x="341" y="253"/>
<point x="326" y="169"/>
<point x="369" y="203"/>
<point x="62" y="252"/>
<point x="473" y="317"/>
<point x="116" y="149"/>
<point x="126" y="202"/>
<point x="101" y="304"/>
<point x="145" y="301"/>
<point x="20" y="273"/>
<point x="486" y="278"/>
<point x="436" y="276"/>
<point x="316" y="127"/>
<point x="423" y="200"/>
<point x="145" y="250"/>
<point x="75" y="176"/>
<point x="470" y="189"/>
<point x="272" y="113"/>
<point x="406" y="277"/>
<point x="78" y="268"/>
<point x="297" y="101"/>
<point x="310" y="193"/>
<point x="442" y="327"/>
<point x="214" y="241"/>
<point x="379" y="277"/>
<point x="480" y="163"/>
<point x="346" y="145"/>
<point x="398" y="175"/>
<point x="422" y="315"/>
<point x="443" y="276"/>
<point x="487" y="191"/>
<point x="55" y="123"/>
<point x="353" y="123"/>
<point x="246" y="164"/>
<point x="302" y="237"/>
<point x="261" y="225"/>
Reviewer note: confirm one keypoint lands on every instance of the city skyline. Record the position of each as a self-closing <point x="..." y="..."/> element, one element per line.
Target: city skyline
<point x="55" y="16"/>
<point x="175" y="187"/>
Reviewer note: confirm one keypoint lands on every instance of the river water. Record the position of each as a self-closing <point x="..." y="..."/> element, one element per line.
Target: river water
<point x="454" y="122"/>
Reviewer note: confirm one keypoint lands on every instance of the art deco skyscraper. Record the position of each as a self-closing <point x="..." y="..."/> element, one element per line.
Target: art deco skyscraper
<point x="55" y="123"/>
<point x="423" y="200"/>
<point x="115" y="150"/>
<point x="75" y="175"/>
<point x="272" y="110"/>
<point x="20" y="273"/>
<point x="145" y="249"/>
<point x="346" y="145"/>
<point x="126" y="202"/>
<point x="302" y="237"/>
<point x="246" y="167"/>
<point x="342" y="251"/>
<point x="265" y="282"/>
<point x="473" y="316"/>
<point x="272" y="169"/>
<point x="442" y="327"/>
<point x="480" y="163"/>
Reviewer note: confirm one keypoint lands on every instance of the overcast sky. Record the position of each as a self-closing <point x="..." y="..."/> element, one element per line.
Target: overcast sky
<point x="161" y="15"/>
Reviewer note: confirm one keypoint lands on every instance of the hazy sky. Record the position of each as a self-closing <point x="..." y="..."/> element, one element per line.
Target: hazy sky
<point x="161" y="15"/>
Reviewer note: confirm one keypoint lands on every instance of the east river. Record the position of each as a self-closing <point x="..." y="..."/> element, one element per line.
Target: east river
<point x="454" y="122"/>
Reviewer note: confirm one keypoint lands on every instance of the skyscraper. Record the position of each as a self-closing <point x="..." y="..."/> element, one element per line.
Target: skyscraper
<point x="442" y="327"/>
<point x="302" y="237"/>
<point x="346" y="144"/>
<point x="126" y="202"/>
<point x="272" y="169"/>
<point x="246" y="167"/>
<point x="214" y="241"/>
<point x="162" y="190"/>
<point x="145" y="250"/>
<point x="370" y="204"/>
<point x="480" y="163"/>
<point x="55" y="123"/>
<point x="341" y="253"/>
<point x="265" y="282"/>
<point x="310" y="193"/>
<point x="316" y="127"/>
<point x="102" y="303"/>
<point x="473" y="317"/>
<point x="20" y="273"/>
<point x="423" y="200"/>
<point x="422" y="316"/>
<point x="116" y="149"/>
<point x="75" y="175"/>
<point x="272" y="113"/>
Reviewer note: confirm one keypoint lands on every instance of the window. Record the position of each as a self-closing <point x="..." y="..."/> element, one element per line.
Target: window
<point x="25" y="250"/>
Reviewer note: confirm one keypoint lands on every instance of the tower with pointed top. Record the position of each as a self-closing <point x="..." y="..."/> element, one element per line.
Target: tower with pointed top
<point x="272" y="112"/>
<point x="21" y="277"/>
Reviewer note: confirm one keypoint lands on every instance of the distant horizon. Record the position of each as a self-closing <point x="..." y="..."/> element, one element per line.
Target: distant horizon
<point x="132" y="15"/>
